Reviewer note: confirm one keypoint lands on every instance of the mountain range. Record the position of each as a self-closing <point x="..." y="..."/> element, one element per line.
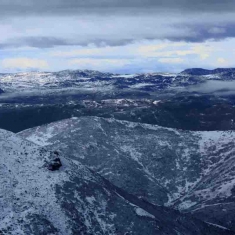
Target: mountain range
<point x="95" y="80"/>
<point x="86" y="152"/>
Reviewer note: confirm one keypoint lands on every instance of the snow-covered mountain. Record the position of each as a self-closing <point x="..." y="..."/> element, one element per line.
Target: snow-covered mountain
<point x="117" y="177"/>
<point x="190" y="171"/>
<point x="81" y="79"/>
<point x="199" y="71"/>
<point x="196" y="76"/>
<point x="98" y="81"/>
<point x="74" y="200"/>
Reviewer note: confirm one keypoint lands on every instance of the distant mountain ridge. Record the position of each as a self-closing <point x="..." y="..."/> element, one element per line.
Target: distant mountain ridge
<point x="99" y="81"/>
<point x="200" y="71"/>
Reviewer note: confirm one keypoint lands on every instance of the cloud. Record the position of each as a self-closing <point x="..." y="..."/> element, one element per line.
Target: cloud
<point x="222" y="61"/>
<point x="113" y="29"/>
<point x="24" y="63"/>
<point x="171" y="60"/>
<point x="99" y="64"/>
<point x="217" y="30"/>
<point x="169" y="49"/>
<point x="141" y="35"/>
<point x="37" y="42"/>
<point x="91" y="50"/>
<point x="137" y="57"/>
<point x="49" y="7"/>
<point x="148" y="49"/>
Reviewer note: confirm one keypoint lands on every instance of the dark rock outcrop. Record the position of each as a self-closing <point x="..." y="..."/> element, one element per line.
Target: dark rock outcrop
<point x="54" y="164"/>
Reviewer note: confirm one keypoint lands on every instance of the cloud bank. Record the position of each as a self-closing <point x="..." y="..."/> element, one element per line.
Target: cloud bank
<point x="120" y="34"/>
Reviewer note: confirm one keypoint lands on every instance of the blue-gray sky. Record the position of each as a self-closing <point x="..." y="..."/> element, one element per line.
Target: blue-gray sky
<point x="128" y="36"/>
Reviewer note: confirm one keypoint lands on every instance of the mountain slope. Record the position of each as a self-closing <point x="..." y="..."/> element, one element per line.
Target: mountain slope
<point x="191" y="171"/>
<point x="74" y="200"/>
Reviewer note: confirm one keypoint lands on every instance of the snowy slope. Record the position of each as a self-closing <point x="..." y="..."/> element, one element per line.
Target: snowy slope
<point x="74" y="200"/>
<point x="191" y="171"/>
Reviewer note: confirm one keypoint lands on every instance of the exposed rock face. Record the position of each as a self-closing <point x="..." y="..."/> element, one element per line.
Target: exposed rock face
<point x="55" y="164"/>
<point x="190" y="171"/>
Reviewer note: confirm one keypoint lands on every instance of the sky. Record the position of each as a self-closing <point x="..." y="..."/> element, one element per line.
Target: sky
<point x="119" y="36"/>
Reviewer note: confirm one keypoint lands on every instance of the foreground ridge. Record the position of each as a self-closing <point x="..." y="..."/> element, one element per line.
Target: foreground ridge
<point x="189" y="171"/>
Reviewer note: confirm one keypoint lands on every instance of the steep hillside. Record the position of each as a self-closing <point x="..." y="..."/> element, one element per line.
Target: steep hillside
<point x="74" y="200"/>
<point x="191" y="171"/>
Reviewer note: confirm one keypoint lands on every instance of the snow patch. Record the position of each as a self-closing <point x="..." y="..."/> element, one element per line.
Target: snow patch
<point x="141" y="212"/>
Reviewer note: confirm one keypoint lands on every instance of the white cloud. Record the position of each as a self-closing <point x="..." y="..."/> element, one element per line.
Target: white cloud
<point x="99" y="64"/>
<point x="221" y="61"/>
<point x="136" y="57"/>
<point x="171" y="60"/>
<point x="182" y="49"/>
<point x="24" y="63"/>
<point x="145" y="49"/>
<point x="90" y="50"/>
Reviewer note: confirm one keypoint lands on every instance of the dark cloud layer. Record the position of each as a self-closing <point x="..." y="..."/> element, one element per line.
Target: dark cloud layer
<point x="203" y="32"/>
<point x="50" y="7"/>
<point x="49" y="42"/>
<point x="200" y="33"/>
<point x="174" y="20"/>
<point x="37" y="42"/>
